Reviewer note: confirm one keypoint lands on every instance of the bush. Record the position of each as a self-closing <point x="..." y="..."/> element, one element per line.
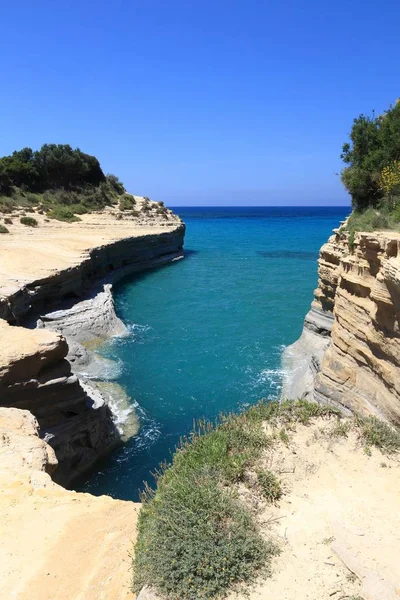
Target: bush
<point x="8" y="221"/>
<point x="127" y="202"/>
<point x="371" y="219"/>
<point x="3" y="229"/>
<point x="115" y="184"/>
<point x="195" y="538"/>
<point x="270" y="486"/>
<point x="63" y="213"/>
<point x="28" y="221"/>
<point x="32" y="198"/>
<point x="80" y="209"/>
<point x="373" y="149"/>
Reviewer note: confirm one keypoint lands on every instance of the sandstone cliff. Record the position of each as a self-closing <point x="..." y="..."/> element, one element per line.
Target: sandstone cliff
<point x="70" y="267"/>
<point x="35" y="376"/>
<point x="349" y="352"/>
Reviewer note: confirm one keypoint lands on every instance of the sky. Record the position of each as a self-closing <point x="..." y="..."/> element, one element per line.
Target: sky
<point x="200" y="102"/>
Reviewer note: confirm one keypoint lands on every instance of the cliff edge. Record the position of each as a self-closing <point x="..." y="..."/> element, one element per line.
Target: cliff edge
<point x="55" y="543"/>
<point x="56" y="280"/>
<point x="349" y="351"/>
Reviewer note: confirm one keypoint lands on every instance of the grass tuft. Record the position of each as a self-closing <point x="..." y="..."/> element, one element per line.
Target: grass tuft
<point x="3" y="229"/>
<point x="270" y="486"/>
<point x="377" y="433"/>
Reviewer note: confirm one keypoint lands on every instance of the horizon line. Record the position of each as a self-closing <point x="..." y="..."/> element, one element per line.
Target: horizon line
<point x="261" y="206"/>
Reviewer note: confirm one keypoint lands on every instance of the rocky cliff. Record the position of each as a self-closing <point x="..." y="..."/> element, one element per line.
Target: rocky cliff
<point x="349" y="351"/>
<point x="35" y="376"/>
<point x="70" y="267"/>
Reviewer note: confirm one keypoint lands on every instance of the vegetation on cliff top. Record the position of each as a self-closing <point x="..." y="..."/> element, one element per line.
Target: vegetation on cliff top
<point x="198" y="538"/>
<point x="57" y="180"/>
<point x="372" y="172"/>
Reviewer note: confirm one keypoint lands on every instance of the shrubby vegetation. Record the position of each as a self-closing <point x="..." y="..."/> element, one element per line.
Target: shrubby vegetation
<point x="28" y="221"/>
<point x="57" y="180"/>
<point x="197" y="539"/>
<point x="372" y="172"/>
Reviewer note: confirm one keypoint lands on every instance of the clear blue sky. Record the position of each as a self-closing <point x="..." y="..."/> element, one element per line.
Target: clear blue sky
<point x="200" y="101"/>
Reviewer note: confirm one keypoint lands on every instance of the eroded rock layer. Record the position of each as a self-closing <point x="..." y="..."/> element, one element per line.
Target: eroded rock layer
<point x="70" y="267"/>
<point x="349" y="352"/>
<point x="35" y="376"/>
<point x="86" y="267"/>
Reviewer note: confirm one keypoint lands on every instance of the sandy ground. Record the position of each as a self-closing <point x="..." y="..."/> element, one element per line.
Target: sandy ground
<point x="338" y="523"/>
<point x="59" y="545"/>
<point x="29" y="253"/>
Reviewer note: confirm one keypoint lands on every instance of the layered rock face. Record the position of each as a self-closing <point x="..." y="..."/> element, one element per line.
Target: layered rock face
<point x="109" y="262"/>
<point x="70" y="267"/>
<point x="35" y="376"/>
<point x="349" y="352"/>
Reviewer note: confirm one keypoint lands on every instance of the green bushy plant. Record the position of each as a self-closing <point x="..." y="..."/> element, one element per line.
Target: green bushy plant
<point x="127" y="202"/>
<point x="196" y="539"/>
<point x="270" y="486"/>
<point x="377" y="433"/>
<point x="62" y="213"/>
<point x="28" y="221"/>
<point x="3" y="229"/>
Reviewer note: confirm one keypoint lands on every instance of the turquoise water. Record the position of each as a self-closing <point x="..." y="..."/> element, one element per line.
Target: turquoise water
<point x="207" y="332"/>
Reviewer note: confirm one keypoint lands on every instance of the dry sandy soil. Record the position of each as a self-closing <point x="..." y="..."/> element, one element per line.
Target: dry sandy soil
<point x="56" y="544"/>
<point x="338" y="523"/>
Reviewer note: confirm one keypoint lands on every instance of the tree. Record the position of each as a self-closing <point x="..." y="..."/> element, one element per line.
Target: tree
<point x="390" y="179"/>
<point x="374" y="144"/>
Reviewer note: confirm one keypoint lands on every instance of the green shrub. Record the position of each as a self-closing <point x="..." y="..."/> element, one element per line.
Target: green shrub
<point x="270" y="486"/>
<point x="3" y="229"/>
<point x="127" y="202"/>
<point x="80" y="209"/>
<point x="32" y="198"/>
<point x="290" y="412"/>
<point x="377" y="433"/>
<point x="63" y="213"/>
<point x="115" y="184"/>
<point x="196" y="540"/>
<point x="374" y="145"/>
<point x="28" y="221"/>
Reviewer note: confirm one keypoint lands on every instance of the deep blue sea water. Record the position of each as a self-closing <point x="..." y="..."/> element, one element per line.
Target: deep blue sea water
<point x="207" y="332"/>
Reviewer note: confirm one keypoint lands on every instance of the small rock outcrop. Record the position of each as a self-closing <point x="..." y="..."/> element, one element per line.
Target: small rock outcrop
<point x="35" y="376"/>
<point x="20" y="445"/>
<point x="349" y="352"/>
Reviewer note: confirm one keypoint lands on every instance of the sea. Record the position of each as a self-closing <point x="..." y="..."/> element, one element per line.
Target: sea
<point x="207" y="332"/>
